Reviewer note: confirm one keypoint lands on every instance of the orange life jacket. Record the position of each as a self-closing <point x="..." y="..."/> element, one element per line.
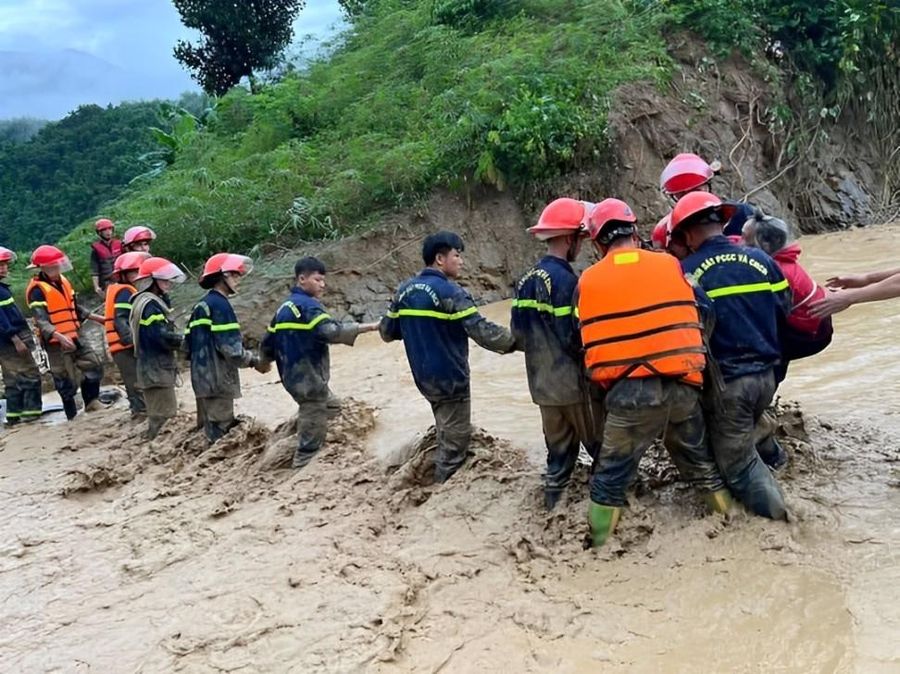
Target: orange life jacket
<point x="639" y="318"/>
<point x="112" y="335"/>
<point x="60" y="304"/>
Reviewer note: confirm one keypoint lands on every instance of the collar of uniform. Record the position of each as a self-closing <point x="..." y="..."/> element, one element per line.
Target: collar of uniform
<point x="4" y="284"/>
<point x="552" y="259"/>
<point x="300" y="291"/>
<point x="717" y="241"/>
<point x="431" y="271"/>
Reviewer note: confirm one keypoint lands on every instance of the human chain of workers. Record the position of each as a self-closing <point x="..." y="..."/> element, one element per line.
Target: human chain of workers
<point x="685" y="339"/>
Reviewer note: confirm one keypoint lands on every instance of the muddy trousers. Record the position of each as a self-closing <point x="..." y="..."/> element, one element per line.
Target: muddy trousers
<point x="215" y="416"/>
<point x="565" y="428"/>
<point x="127" y="365"/>
<point x="638" y="412"/>
<point x="732" y="439"/>
<point x="22" y="382"/>
<point x="312" y="427"/>
<point x="67" y="368"/>
<point x="453" y="429"/>
<point x="161" y="406"/>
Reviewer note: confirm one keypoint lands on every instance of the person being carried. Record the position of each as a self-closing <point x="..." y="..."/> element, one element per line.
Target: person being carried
<point x="751" y="299"/>
<point x="119" y="338"/>
<point x="156" y="340"/>
<point x="643" y="344"/>
<point x="21" y="375"/>
<point x="804" y="334"/>
<point x="544" y="326"/>
<point x="298" y="340"/>
<point x="214" y="346"/>
<point x="58" y="315"/>
<point x="435" y="317"/>
<point x="104" y="252"/>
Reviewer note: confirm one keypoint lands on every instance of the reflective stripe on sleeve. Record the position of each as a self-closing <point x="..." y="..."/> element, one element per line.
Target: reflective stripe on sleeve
<point x="540" y="306"/>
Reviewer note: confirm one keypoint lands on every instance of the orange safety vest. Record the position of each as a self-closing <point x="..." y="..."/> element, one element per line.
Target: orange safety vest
<point x="639" y="318"/>
<point x="60" y="304"/>
<point x="112" y="335"/>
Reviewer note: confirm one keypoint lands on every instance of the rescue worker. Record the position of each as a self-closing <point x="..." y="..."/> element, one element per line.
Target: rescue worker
<point x="673" y="244"/>
<point x="156" y="340"/>
<point x="297" y="340"/>
<point x="803" y="335"/>
<point x="687" y="173"/>
<point x="21" y="376"/>
<point x="544" y="327"/>
<point x="104" y="252"/>
<point x="119" y="337"/>
<point x="435" y="317"/>
<point x="214" y="346"/>
<point x="751" y="299"/>
<point x="137" y="239"/>
<point x="643" y="343"/>
<point x="59" y="315"/>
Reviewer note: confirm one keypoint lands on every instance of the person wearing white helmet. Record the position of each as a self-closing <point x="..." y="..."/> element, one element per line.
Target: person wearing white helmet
<point x="545" y="327"/>
<point x="59" y="316"/>
<point x="156" y="340"/>
<point x="137" y="239"/>
<point x="21" y="376"/>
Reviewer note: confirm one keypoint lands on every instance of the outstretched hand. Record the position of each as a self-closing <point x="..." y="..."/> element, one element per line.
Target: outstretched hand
<point x="834" y="302"/>
<point x="368" y="327"/>
<point x="847" y="281"/>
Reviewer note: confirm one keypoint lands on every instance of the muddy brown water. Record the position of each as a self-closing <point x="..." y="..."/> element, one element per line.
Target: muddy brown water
<point x="172" y="558"/>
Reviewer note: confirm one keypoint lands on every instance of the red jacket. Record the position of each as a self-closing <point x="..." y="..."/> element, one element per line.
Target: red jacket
<point x="805" y="291"/>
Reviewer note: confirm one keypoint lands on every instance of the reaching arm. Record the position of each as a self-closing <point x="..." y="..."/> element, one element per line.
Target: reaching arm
<point x="483" y="332"/>
<point x="836" y="301"/>
<point x="861" y="280"/>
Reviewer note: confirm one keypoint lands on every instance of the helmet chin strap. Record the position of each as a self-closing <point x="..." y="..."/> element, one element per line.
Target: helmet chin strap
<point x="572" y="252"/>
<point x="231" y="289"/>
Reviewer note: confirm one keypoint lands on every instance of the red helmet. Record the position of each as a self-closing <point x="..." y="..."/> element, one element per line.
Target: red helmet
<point x="6" y="255"/>
<point x="160" y="269"/>
<point x="684" y="173"/>
<point x="130" y="261"/>
<point x="610" y="211"/>
<point x="138" y="233"/>
<point x="103" y="223"/>
<point x="660" y="235"/>
<point x="221" y="263"/>
<point x="696" y="203"/>
<point x="49" y="256"/>
<point x="561" y="217"/>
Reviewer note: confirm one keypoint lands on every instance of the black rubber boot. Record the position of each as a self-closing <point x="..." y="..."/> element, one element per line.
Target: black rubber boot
<point x="70" y="408"/>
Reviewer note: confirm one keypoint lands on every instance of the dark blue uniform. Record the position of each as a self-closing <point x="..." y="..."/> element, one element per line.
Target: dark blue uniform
<point x="156" y="341"/>
<point x="751" y="300"/>
<point x="435" y="318"/>
<point x="297" y="340"/>
<point x="545" y="327"/>
<point x="21" y="377"/>
<point x="215" y="348"/>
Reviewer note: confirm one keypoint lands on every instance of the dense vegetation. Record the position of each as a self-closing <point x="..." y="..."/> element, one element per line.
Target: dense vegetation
<point x="420" y="94"/>
<point x="63" y="174"/>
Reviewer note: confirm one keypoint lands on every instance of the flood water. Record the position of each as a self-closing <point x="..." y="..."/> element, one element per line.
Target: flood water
<point x="310" y="573"/>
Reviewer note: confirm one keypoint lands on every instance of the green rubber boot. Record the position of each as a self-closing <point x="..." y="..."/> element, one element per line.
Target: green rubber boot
<point x="719" y="501"/>
<point x="603" y="520"/>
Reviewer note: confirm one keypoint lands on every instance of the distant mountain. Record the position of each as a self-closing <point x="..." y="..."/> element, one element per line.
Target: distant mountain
<point x="52" y="84"/>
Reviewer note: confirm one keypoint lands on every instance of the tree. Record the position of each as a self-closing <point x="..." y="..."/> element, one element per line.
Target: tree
<point x="237" y="38"/>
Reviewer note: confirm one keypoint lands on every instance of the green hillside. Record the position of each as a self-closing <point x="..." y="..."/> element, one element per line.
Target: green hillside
<point x="421" y="94"/>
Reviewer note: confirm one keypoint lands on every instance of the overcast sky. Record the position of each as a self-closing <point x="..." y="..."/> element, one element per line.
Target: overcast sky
<point x="57" y="54"/>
